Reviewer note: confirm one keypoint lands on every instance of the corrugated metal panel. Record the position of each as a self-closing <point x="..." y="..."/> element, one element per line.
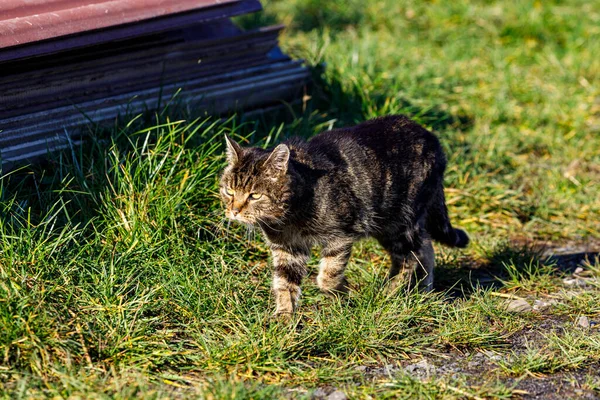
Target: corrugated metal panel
<point x="82" y="78"/>
<point x="252" y="88"/>
<point x="51" y="90"/>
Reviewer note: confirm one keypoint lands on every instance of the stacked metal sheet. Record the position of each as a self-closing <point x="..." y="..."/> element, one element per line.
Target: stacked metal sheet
<point x="66" y="63"/>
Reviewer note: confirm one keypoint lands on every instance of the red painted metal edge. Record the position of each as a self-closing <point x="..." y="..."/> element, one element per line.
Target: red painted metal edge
<point x="24" y="22"/>
<point x="86" y="36"/>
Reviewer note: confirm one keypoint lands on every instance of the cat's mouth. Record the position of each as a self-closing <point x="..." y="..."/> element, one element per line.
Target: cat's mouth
<point x="240" y="218"/>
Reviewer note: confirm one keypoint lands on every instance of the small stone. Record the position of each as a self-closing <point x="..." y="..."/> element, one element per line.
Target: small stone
<point x="423" y="367"/>
<point x="361" y="368"/>
<point x="583" y="322"/>
<point x="517" y="305"/>
<point x="578" y="270"/>
<point x="540" y="305"/>
<point x="577" y="282"/>
<point x="569" y="281"/>
<point x="492" y="356"/>
<point x="337" y="395"/>
<point x="320" y="393"/>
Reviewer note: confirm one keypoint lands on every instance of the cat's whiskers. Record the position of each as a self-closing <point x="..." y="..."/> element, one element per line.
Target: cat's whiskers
<point x="226" y="226"/>
<point x="262" y="221"/>
<point x="219" y="228"/>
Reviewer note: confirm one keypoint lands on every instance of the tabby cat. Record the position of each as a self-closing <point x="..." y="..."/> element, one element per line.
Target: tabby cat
<point x="382" y="179"/>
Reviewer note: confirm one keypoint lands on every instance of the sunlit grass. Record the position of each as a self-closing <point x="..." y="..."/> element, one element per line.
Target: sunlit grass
<point x="120" y="278"/>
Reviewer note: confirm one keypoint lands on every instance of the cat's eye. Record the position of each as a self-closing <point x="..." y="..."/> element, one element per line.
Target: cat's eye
<point x="255" y="196"/>
<point x="229" y="191"/>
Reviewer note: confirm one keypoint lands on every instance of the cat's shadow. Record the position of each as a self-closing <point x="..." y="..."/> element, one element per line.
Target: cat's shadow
<point x="510" y="263"/>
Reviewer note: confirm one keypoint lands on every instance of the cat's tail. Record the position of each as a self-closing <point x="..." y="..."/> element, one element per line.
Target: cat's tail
<point x="438" y="224"/>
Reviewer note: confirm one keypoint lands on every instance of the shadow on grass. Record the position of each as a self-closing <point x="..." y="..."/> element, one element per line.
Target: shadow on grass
<point x="335" y="15"/>
<point x="332" y="15"/>
<point x="510" y="263"/>
<point x="77" y="177"/>
<point x="349" y="105"/>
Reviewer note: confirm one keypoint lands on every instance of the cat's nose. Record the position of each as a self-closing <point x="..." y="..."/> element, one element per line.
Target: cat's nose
<point x="235" y="211"/>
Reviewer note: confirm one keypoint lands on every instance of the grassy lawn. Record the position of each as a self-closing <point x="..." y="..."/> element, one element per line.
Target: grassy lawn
<point x="119" y="277"/>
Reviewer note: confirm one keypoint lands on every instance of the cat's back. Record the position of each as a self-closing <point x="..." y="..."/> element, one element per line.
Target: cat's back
<point x="392" y="138"/>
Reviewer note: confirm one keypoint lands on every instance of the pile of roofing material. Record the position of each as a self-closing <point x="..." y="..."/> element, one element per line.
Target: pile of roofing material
<point x="66" y="63"/>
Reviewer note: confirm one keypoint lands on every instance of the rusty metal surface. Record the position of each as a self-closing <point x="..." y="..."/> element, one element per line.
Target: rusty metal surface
<point x="16" y="44"/>
<point x="29" y="21"/>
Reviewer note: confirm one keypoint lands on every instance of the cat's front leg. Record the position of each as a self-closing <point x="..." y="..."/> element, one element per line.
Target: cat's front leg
<point x="335" y="256"/>
<point x="290" y="268"/>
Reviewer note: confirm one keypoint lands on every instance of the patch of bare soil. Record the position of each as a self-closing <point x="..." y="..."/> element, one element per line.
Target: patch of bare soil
<point x="481" y="368"/>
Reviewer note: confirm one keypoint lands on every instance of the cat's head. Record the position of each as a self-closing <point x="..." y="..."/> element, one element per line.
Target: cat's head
<point x="255" y="185"/>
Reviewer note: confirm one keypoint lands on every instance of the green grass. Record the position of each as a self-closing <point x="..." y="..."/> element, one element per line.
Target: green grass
<point x="119" y="277"/>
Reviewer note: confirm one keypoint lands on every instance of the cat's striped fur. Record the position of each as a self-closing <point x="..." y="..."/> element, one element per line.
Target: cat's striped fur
<point x="381" y="179"/>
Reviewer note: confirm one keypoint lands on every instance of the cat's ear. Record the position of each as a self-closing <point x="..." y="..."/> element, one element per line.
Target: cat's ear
<point x="278" y="159"/>
<point x="234" y="150"/>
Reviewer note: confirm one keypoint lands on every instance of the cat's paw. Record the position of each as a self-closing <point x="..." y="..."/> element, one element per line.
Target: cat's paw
<point x="283" y="316"/>
<point x="397" y="284"/>
<point x="333" y="287"/>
